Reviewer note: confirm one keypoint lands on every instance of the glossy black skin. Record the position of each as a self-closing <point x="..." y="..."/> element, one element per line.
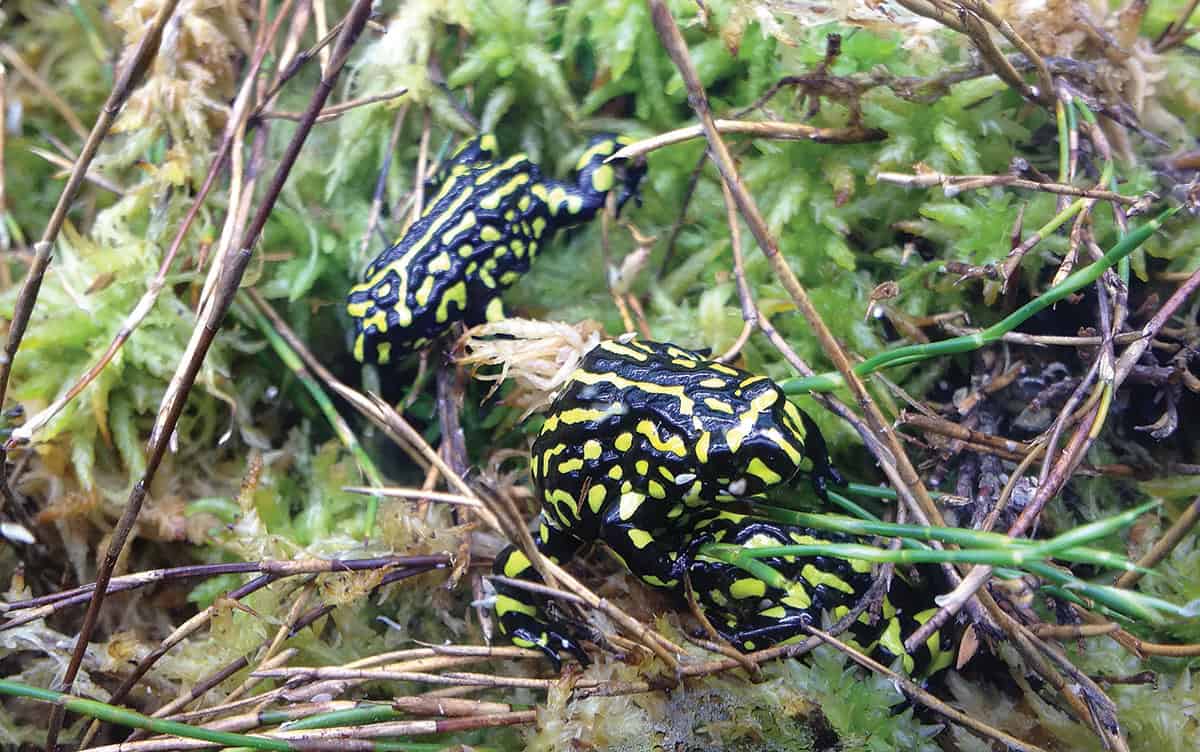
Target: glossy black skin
<point x="476" y="237"/>
<point x="645" y="442"/>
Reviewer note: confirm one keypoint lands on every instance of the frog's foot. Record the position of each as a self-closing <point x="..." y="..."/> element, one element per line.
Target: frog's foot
<point x="687" y="556"/>
<point x="551" y="642"/>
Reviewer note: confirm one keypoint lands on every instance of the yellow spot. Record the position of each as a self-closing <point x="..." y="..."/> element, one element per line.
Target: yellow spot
<point x="516" y="564"/>
<point x="891" y="640"/>
<point x="539" y="190"/>
<point x="550" y="453"/>
<point x="702" y="447"/>
<point x="797" y="596"/>
<point x="520" y="642"/>
<point x="736" y="435"/>
<point x="560" y="499"/>
<point x="466" y="250"/>
<point x="778" y="440"/>
<point x="624" y="442"/>
<point x="378" y="320"/>
<point x="759" y="468"/>
<point x="359" y="348"/>
<point x="674" y="445"/>
<point x="558" y="197"/>
<point x="764" y="401"/>
<point x="748" y="587"/>
<point x="574" y="204"/>
<point x="615" y="472"/>
<point x="489" y="234"/>
<point x="523" y="204"/>
<point x="752" y="380"/>
<point x="713" y="383"/>
<point x="487" y="142"/>
<point x="595" y="497"/>
<point x="506" y="604"/>
<point x="518" y="247"/>
<point x="456" y="294"/>
<point x="544" y="533"/>
<point x="685" y="362"/>
<point x="658" y="582"/>
<point x="493" y="199"/>
<point x="616" y="348"/>
<point x="489" y="175"/>
<point x="383" y="352"/>
<point x="717" y="597"/>
<point x="495" y="310"/>
<point x="629" y="505"/>
<point x="592" y="449"/>
<point x="817" y="577"/>
<point x="570" y="466"/>
<point x="642" y="467"/>
<point x="687" y="405"/>
<point x="717" y="405"/>
<point x="603" y="178"/>
<point x="722" y="368"/>
<point x="600" y="149"/>
<point x="424" y="291"/>
<point x="640" y="538"/>
<point x="440" y="263"/>
<point x="464" y="224"/>
<point x="656" y="490"/>
<point x="539" y="225"/>
<point x="582" y="415"/>
<point x="775" y="612"/>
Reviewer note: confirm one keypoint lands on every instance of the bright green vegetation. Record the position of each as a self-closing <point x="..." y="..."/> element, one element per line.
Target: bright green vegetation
<point x="543" y="77"/>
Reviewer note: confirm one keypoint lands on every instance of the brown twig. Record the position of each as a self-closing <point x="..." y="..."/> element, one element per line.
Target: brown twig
<point x="334" y="112"/>
<point x="236" y="122"/>
<point x="139" y="62"/>
<point x="756" y="128"/>
<point x="910" y="689"/>
<point x="45" y="90"/>
<point x="976" y="182"/>
<point x="210" y="320"/>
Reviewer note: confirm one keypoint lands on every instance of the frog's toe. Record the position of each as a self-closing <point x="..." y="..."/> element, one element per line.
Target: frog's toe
<point x="551" y="643"/>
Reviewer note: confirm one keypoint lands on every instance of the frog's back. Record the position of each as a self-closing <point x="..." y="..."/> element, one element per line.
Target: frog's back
<point x="475" y="239"/>
<point x="666" y="422"/>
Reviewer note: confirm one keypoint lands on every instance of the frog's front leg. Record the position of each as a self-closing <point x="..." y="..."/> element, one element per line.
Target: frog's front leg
<point x="651" y="538"/>
<point x="521" y="614"/>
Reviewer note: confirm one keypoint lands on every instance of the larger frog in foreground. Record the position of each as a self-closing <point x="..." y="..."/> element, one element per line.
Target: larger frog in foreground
<point x="646" y="442"/>
<point x="476" y="237"/>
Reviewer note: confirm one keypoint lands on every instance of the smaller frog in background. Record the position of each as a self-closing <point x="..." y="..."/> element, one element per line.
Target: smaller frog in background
<point x="477" y="236"/>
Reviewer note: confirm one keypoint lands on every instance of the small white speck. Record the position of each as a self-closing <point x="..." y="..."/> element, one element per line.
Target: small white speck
<point x="738" y="487"/>
<point x="684" y="478"/>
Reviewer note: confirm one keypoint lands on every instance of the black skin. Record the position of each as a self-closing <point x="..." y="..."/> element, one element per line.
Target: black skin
<point x="667" y="440"/>
<point x="477" y="236"/>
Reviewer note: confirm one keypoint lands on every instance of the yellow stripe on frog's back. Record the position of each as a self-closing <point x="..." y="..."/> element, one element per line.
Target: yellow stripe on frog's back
<point x="687" y="405"/>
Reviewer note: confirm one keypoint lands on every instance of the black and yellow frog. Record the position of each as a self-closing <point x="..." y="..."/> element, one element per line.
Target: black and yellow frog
<point x="645" y="443"/>
<point x="488" y="220"/>
<point x="753" y="614"/>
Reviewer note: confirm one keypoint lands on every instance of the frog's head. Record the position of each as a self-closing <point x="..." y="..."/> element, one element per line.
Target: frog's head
<point x="763" y="439"/>
<point x="595" y="174"/>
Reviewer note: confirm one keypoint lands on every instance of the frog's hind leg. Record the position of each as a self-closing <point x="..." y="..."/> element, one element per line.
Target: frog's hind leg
<point x="520" y="613"/>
